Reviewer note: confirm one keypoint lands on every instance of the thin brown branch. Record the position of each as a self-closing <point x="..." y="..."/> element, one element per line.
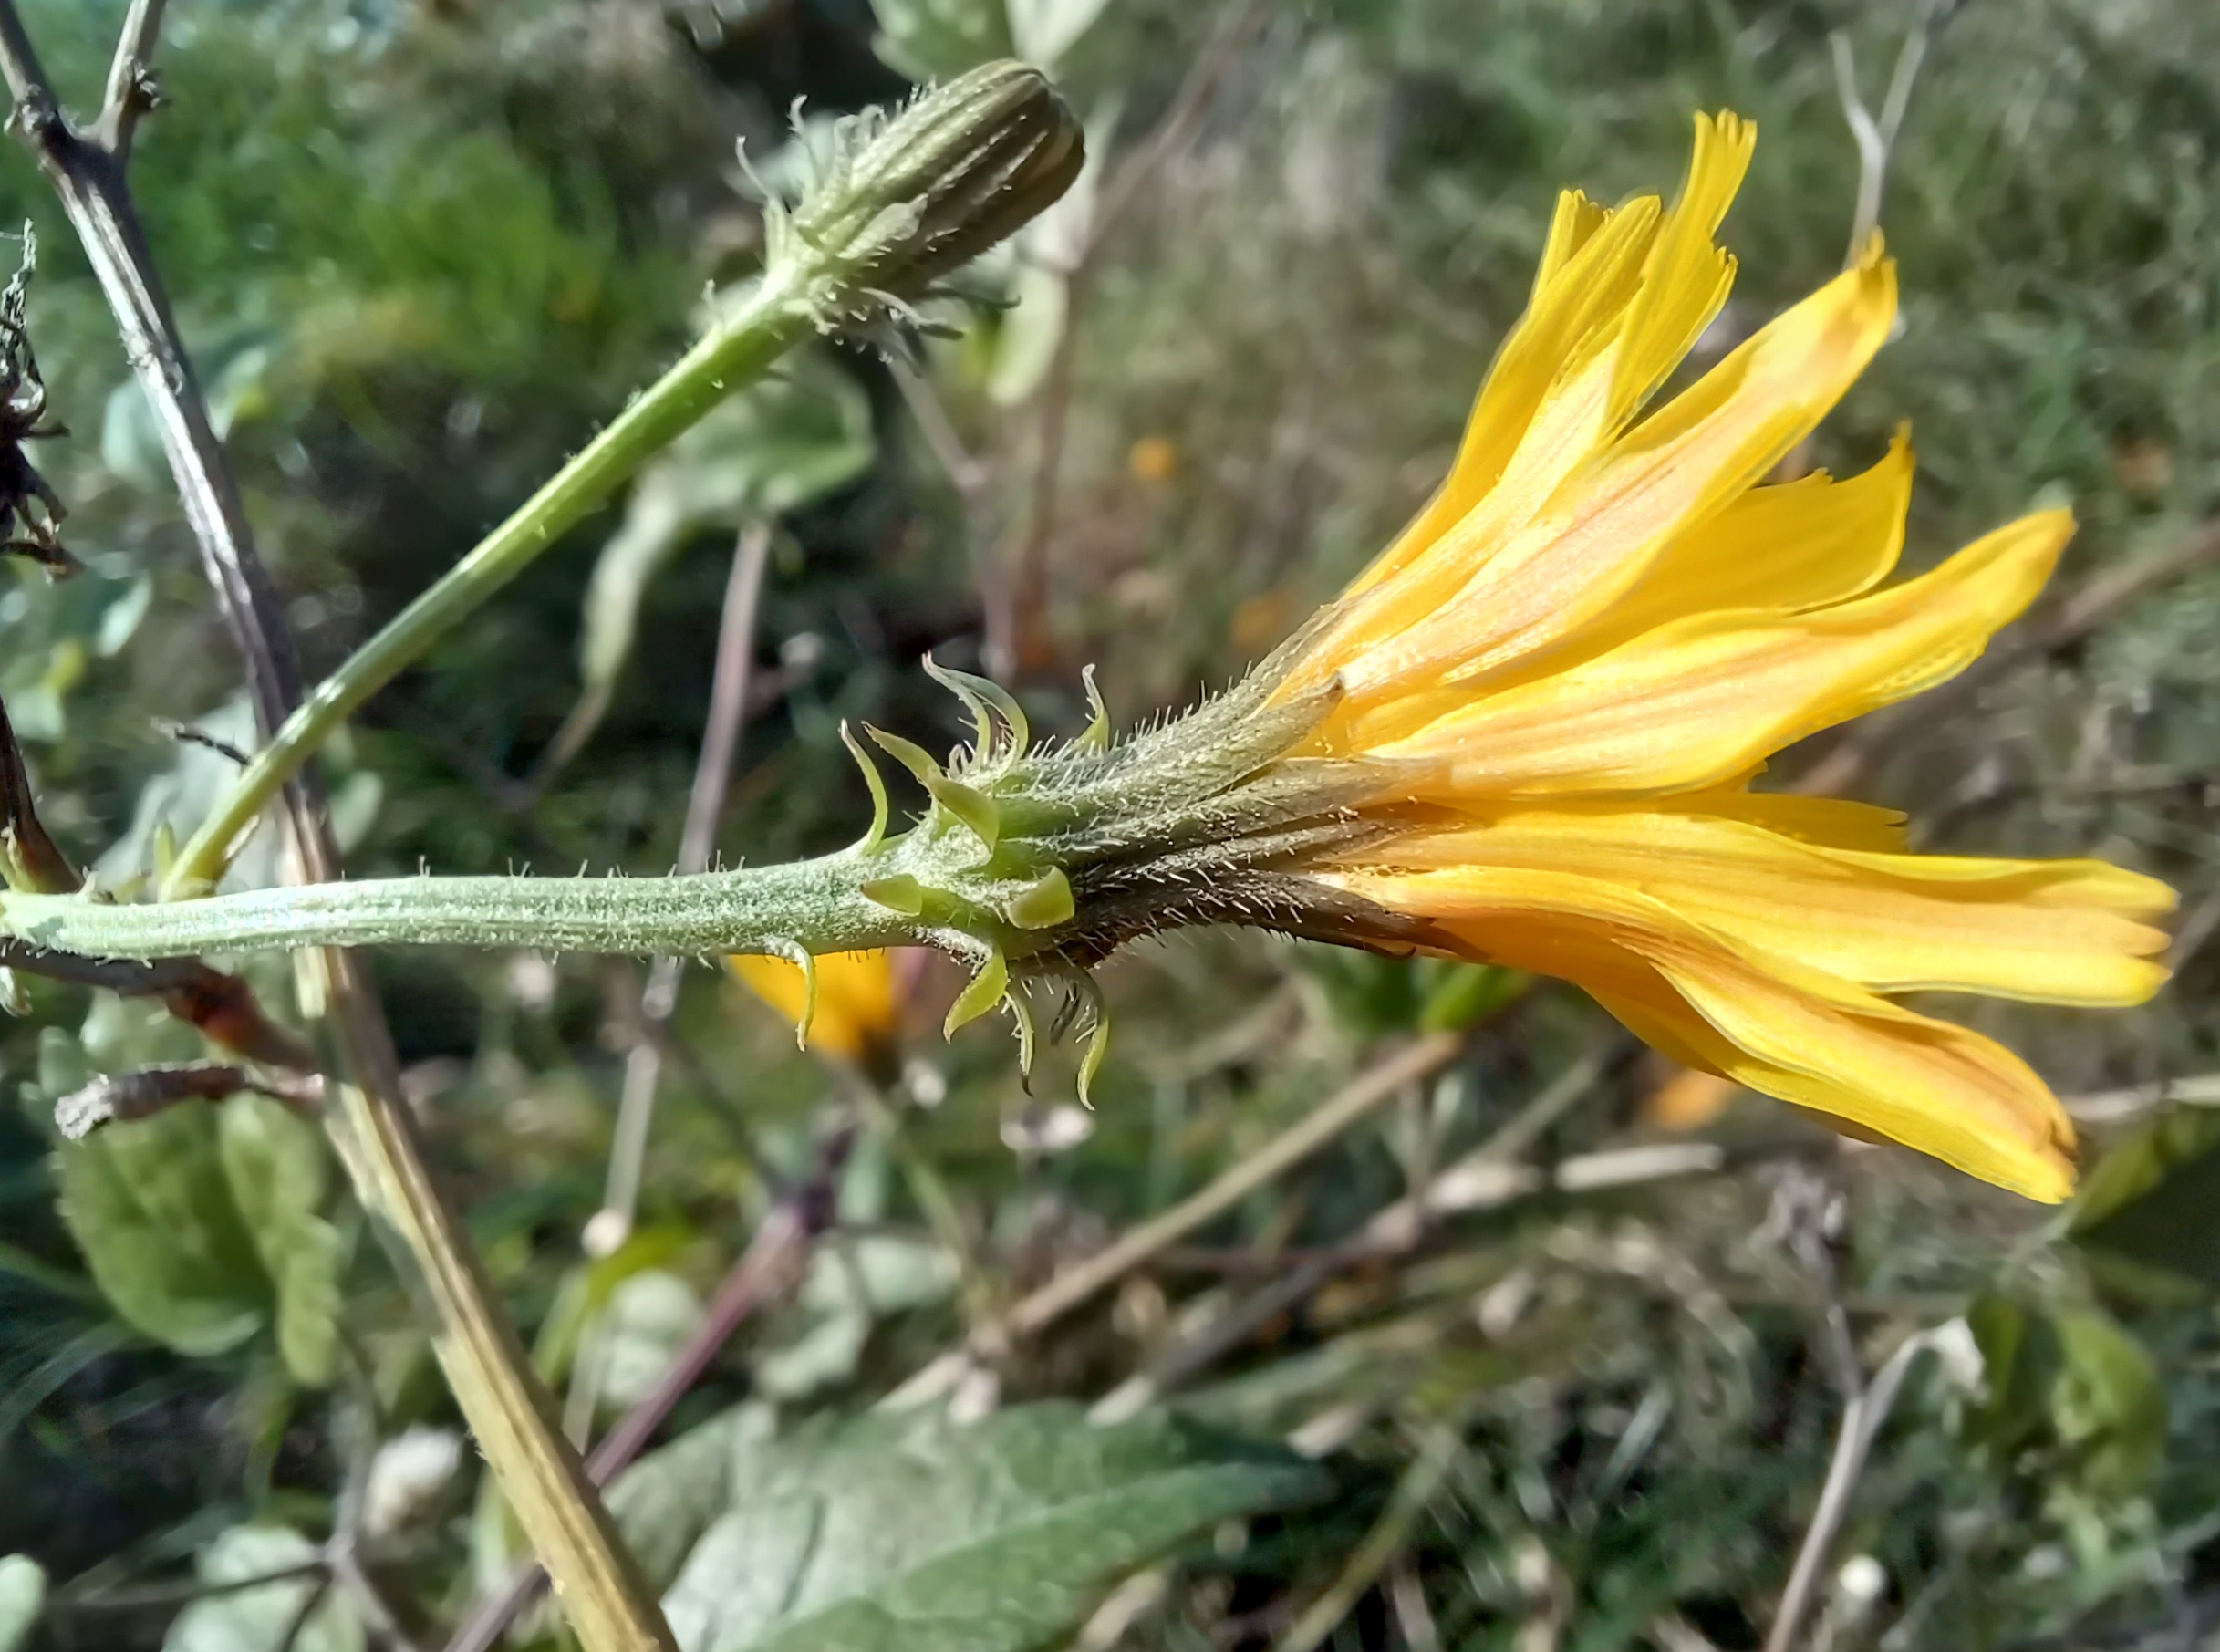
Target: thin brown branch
<point x="131" y="90"/>
<point x="1018" y="598"/>
<point x="1493" y="1173"/>
<point x="145" y="1091"/>
<point x="1181" y="121"/>
<point x="1362" y="1094"/>
<point x="1019" y="643"/>
<point x="704" y="807"/>
<point x="223" y="1007"/>
<point x="1863" y="1418"/>
<point x="310" y="1601"/>
<point x="1876" y="139"/>
<point x="503" y="1401"/>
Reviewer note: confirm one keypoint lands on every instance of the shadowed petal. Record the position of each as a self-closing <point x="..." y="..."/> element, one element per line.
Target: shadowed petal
<point x="1764" y="1021"/>
<point x="2052" y="931"/>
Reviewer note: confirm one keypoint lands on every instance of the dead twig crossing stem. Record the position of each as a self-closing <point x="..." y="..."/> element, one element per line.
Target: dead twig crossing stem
<point x="728" y="711"/>
<point x="1863" y="1418"/>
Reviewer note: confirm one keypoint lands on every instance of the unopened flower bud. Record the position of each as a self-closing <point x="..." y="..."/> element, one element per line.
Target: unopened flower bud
<point x="901" y="202"/>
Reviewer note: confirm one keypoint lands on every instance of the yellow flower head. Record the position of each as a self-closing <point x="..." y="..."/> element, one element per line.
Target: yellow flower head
<point x="857" y="1014"/>
<point x="1526" y="733"/>
<point x="1567" y="670"/>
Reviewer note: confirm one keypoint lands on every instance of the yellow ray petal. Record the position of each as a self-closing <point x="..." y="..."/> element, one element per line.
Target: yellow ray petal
<point x="1835" y="822"/>
<point x="1803" y="545"/>
<point x="1701" y="701"/>
<point x="1789" y="548"/>
<point x="1689" y="277"/>
<point x="1766" y="1022"/>
<point x="2060" y="931"/>
<point x="1576" y="218"/>
<point x="1599" y="536"/>
<point x="1577" y="304"/>
<point x="857" y="1005"/>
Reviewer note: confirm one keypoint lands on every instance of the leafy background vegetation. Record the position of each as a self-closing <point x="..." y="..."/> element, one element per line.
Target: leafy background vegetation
<point x="422" y="250"/>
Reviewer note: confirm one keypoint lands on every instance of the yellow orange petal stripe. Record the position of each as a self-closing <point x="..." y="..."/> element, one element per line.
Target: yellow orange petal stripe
<point x="2059" y="931"/>
<point x="1573" y="662"/>
<point x="1791" y="548"/>
<point x="1707" y="699"/>
<point x="858" y="1008"/>
<point x="1759" y="1018"/>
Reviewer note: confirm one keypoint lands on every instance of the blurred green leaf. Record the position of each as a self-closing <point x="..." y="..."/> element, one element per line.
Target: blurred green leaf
<point x="152" y="1207"/>
<point x="1375" y="996"/>
<point x="1014" y="353"/>
<point x="649" y="1318"/>
<point x="2110" y="1406"/>
<point x="2150" y="1201"/>
<point x="258" y="1619"/>
<point x="2069" y="1395"/>
<point x="50" y="634"/>
<point x="917" y="1533"/>
<point x="277" y="1168"/>
<point x="939" y="40"/>
<point x="851" y="1284"/>
<point x="180" y="794"/>
<point x="23" y="1591"/>
<point x="1463" y="995"/>
<point x="200" y="1224"/>
<point x="1042" y="31"/>
<point x="760" y="453"/>
<point x="665" y="1501"/>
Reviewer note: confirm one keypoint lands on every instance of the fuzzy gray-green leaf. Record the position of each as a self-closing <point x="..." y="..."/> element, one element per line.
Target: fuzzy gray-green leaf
<point x="152" y="1208"/>
<point x="910" y="1534"/>
<point x="278" y="1168"/>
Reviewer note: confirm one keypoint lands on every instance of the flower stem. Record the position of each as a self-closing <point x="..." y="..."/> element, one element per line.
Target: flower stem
<point x="818" y="904"/>
<point x="736" y="350"/>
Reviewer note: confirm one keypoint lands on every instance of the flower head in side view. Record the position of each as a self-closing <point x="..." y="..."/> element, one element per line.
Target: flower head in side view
<point x="1526" y="735"/>
<point x="1574" y="660"/>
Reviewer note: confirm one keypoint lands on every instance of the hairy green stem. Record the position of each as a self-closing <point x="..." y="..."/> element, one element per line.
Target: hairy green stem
<point x="816" y="905"/>
<point x="769" y="321"/>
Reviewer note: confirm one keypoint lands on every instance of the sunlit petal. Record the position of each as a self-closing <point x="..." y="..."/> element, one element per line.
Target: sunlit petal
<point x="1701" y="701"/>
<point x="1607" y="524"/>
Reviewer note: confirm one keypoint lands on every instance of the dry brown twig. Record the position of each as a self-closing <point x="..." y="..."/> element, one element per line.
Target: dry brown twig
<point x="721" y="733"/>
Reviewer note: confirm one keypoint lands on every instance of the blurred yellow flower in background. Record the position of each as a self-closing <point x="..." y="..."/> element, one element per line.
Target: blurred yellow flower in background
<point x="1153" y="459"/>
<point x="858" y="1014"/>
<point x="1571" y="664"/>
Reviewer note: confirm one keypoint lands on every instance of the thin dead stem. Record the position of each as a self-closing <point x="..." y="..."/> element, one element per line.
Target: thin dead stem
<point x="612" y="1223"/>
